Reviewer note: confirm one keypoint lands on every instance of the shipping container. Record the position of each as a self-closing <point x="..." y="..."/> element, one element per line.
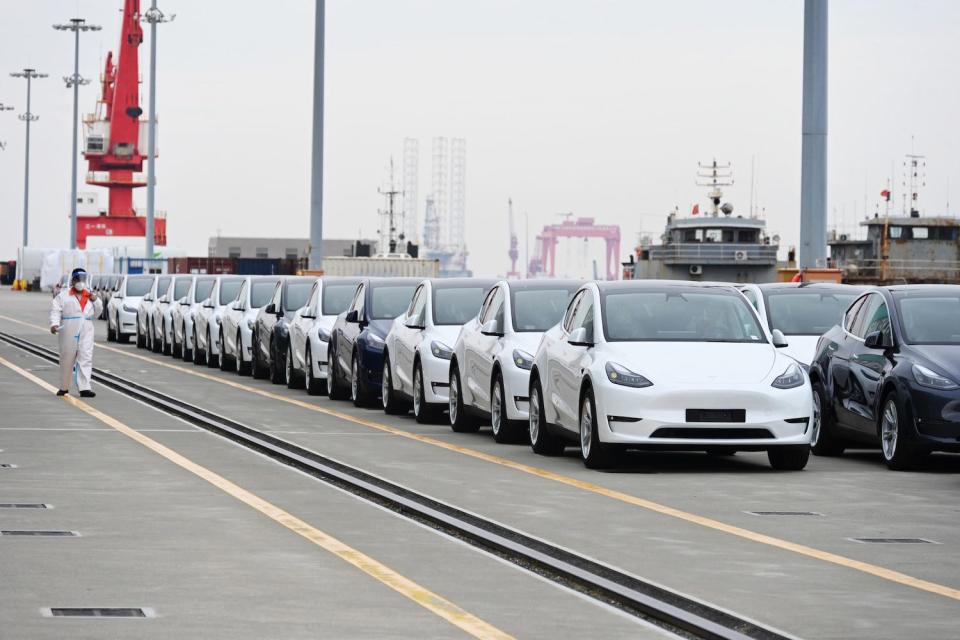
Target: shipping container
<point x="198" y="265"/>
<point x="379" y="267"/>
<point x="258" y="266"/>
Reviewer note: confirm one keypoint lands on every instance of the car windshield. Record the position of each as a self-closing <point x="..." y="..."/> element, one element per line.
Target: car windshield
<point x="806" y="313"/>
<point x="452" y="306"/>
<point x="229" y="290"/>
<point x="337" y="297"/>
<point x="180" y="288"/>
<point x="930" y="319"/>
<point x="538" y="309"/>
<point x="388" y="302"/>
<point x="202" y="291"/>
<point x="261" y="292"/>
<point x="297" y="294"/>
<point x="139" y="286"/>
<point x="679" y="316"/>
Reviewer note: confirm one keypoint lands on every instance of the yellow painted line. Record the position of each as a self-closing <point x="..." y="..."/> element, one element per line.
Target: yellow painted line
<point x="424" y="597"/>
<point x="643" y="503"/>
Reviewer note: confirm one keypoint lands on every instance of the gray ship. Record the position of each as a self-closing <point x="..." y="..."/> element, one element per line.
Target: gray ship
<point x="718" y="246"/>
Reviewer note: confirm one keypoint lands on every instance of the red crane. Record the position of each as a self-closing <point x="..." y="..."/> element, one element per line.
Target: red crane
<point x="544" y="262"/>
<point x="116" y="140"/>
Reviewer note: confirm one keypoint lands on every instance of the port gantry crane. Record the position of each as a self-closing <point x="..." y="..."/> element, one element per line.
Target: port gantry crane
<point x="116" y="140"/>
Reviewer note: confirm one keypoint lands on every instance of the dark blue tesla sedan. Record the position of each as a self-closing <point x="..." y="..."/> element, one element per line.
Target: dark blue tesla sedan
<point x="890" y="375"/>
<point x="357" y="338"/>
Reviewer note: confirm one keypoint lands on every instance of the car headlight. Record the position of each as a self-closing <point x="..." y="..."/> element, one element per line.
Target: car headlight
<point x="522" y="359"/>
<point x="323" y="334"/>
<point x="250" y="322"/>
<point x="789" y="379"/>
<point x="618" y="374"/>
<point x="932" y="379"/>
<point x="440" y="350"/>
<point x="129" y="309"/>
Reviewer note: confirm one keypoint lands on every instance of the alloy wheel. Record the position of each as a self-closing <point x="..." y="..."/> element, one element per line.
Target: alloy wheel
<point x="288" y="369"/>
<point x="496" y="406"/>
<point x="586" y="428"/>
<point x="534" y="414"/>
<point x="888" y="429"/>
<point x="387" y="384"/>
<point x="417" y="391"/>
<point x="454" y="397"/>
<point x="815" y="426"/>
<point x="354" y="379"/>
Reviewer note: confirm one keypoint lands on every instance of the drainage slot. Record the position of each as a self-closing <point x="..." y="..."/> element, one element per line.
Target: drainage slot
<point x="23" y="505"/>
<point x="783" y="513"/>
<point x="892" y="540"/>
<point x="100" y="612"/>
<point x="21" y="532"/>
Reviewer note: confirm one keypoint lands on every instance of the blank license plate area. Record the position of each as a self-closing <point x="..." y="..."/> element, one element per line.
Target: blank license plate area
<point x="716" y="415"/>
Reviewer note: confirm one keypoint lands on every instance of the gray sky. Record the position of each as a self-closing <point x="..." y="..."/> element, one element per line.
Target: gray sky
<point x="599" y="107"/>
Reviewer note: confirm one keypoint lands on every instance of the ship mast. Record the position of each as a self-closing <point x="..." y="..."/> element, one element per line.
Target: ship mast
<point x="389" y="238"/>
<point x="714" y="176"/>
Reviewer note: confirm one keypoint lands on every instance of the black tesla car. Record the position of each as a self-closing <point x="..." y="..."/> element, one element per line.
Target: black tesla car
<point x="890" y="375"/>
<point x="358" y="335"/>
<point x="271" y="335"/>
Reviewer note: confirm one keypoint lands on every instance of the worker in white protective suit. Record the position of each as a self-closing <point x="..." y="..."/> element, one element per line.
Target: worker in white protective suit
<point x="71" y="318"/>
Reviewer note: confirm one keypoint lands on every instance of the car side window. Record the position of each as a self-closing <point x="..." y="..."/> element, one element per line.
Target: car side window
<point x="851" y="315"/>
<point x="277" y="293"/>
<point x="495" y="309"/>
<point x="414" y="301"/>
<point x="583" y="316"/>
<point x="571" y="309"/>
<point x="419" y="303"/>
<point x="358" y="301"/>
<point x="866" y="311"/>
<point x="878" y="320"/>
<point x="312" y="300"/>
<point x="242" y="294"/>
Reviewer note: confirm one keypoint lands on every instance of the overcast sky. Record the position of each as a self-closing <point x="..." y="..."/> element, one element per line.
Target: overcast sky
<point x="599" y="107"/>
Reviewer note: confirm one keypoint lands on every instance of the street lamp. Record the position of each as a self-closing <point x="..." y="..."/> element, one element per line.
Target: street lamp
<point x="3" y="107"/>
<point x="154" y="17"/>
<point x="28" y="117"/>
<point x="76" y="25"/>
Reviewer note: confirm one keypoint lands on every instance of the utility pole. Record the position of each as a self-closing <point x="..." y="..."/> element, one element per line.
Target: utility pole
<point x="28" y="117"/>
<point x="76" y="25"/>
<point x="316" y="171"/>
<point x="813" y="177"/>
<point x="153" y="16"/>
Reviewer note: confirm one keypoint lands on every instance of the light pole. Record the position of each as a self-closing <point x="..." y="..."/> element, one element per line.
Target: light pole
<point x="3" y="107"/>
<point x="76" y="25"/>
<point x="316" y="169"/>
<point x="27" y="117"/>
<point x="154" y="17"/>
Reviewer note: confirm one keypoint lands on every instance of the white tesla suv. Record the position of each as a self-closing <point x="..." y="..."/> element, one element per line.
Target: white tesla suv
<point x="310" y="335"/>
<point x="123" y="305"/>
<point x="802" y="311"/>
<point x="162" y="314"/>
<point x="236" y="328"/>
<point x="145" y="330"/>
<point x="184" y="312"/>
<point x="490" y="368"/>
<point x="416" y="365"/>
<point x="206" y="325"/>
<point x="671" y="366"/>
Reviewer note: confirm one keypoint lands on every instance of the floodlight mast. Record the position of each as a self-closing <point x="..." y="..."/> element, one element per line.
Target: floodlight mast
<point x="76" y="25"/>
<point x="153" y="16"/>
<point x="29" y="75"/>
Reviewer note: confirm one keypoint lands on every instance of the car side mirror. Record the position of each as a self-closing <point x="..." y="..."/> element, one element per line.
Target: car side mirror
<point x="353" y="317"/>
<point x="874" y="340"/>
<point x="270" y="308"/>
<point x="578" y="338"/>
<point x="491" y="328"/>
<point x="779" y="340"/>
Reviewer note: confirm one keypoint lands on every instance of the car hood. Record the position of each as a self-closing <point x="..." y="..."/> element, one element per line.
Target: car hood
<point x="527" y="341"/>
<point x="692" y="363"/>
<point x="945" y="358"/>
<point x="801" y="348"/>
<point x="447" y="334"/>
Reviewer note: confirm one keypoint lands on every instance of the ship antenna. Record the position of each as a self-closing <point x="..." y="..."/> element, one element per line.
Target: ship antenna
<point x="714" y="176"/>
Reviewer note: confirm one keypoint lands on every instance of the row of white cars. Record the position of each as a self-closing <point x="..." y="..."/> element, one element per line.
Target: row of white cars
<point x="604" y="366"/>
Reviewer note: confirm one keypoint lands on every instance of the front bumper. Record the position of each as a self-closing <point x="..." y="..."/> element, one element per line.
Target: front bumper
<point x="128" y="322"/>
<point x="319" y="352"/>
<point x="516" y="388"/>
<point x="436" y="378"/>
<point x="936" y="418"/>
<point x="658" y="418"/>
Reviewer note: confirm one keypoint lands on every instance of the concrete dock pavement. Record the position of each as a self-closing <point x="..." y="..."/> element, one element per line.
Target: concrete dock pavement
<point x="839" y="589"/>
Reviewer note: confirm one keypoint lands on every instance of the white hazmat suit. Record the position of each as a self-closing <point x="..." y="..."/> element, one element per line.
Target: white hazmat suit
<point x="76" y="329"/>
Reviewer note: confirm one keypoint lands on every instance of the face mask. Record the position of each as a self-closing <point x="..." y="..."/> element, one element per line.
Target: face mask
<point x="80" y="286"/>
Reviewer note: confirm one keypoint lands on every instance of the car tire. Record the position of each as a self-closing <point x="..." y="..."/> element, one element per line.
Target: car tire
<point x="359" y="392"/>
<point x="595" y="454"/>
<point x="542" y="440"/>
<point x="315" y="386"/>
<point x="505" y="430"/>
<point x="789" y="458"/>
<point x="392" y="403"/>
<point x="240" y="365"/>
<point x="256" y="367"/>
<point x="899" y="451"/>
<point x="111" y="334"/>
<point x="198" y="355"/>
<point x="460" y="420"/>
<point x="335" y="387"/>
<point x="141" y="340"/>
<point x="278" y="368"/>
<point x="176" y="349"/>
<point x="186" y="354"/>
<point x="290" y="373"/>
<point x="212" y="360"/>
<point x="423" y="411"/>
<point x="824" y="440"/>
<point x="226" y="364"/>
